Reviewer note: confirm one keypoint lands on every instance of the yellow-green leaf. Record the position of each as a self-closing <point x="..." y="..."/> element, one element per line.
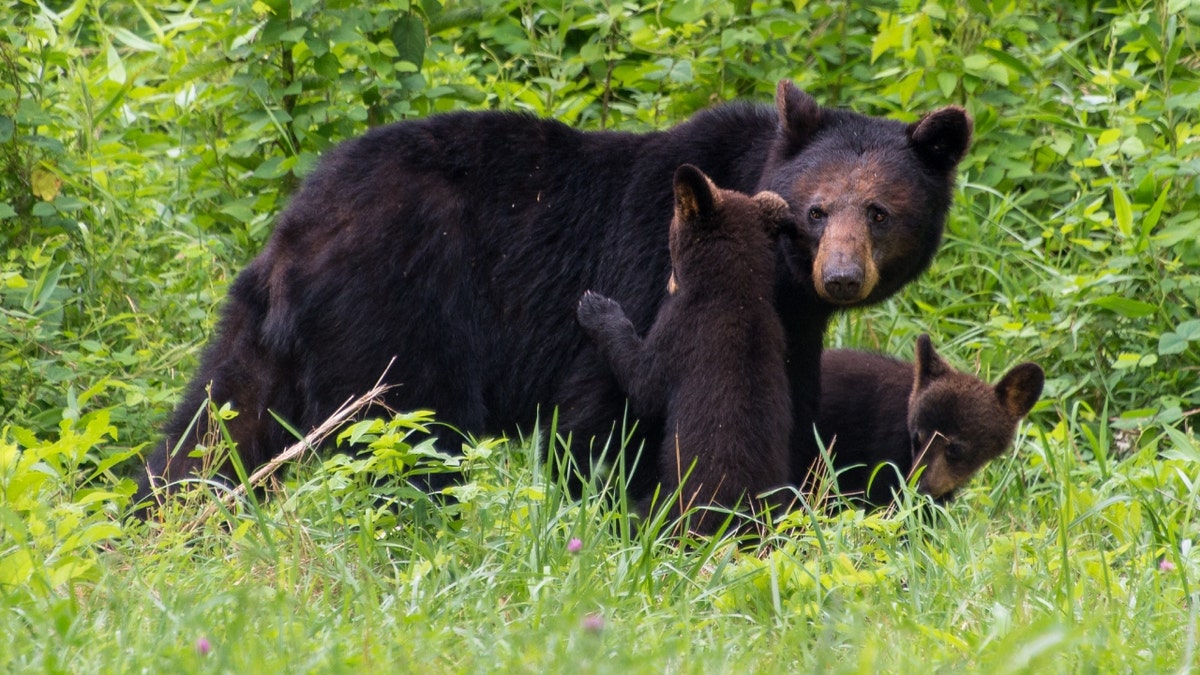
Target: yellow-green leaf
<point x="1123" y="211"/>
<point x="45" y="184"/>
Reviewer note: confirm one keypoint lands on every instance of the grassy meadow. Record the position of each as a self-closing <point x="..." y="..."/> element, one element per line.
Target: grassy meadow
<point x="145" y="149"/>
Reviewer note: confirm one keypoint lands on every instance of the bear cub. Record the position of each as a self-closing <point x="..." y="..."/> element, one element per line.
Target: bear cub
<point x="712" y="362"/>
<point x="876" y="410"/>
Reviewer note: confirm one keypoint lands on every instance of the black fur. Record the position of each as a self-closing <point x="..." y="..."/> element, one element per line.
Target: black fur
<point x="460" y="244"/>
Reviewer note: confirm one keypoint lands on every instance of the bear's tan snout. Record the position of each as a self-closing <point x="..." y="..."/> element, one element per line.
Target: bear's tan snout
<point x="843" y="281"/>
<point x="844" y="271"/>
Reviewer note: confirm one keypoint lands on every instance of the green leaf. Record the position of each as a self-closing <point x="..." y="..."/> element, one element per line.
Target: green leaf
<point x="273" y="168"/>
<point x="293" y="35"/>
<point x="890" y="35"/>
<point x="997" y="73"/>
<point x="1126" y="307"/>
<point x="1189" y="330"/>
<point x="45" y="183"/>
<point x="43" y="290"/>
<point x="1129" y="360"/>
<point x="1108" y="136"/>
<point x="465" y="92"/>
<point x="281" y="8"/>
<point x="116" y="67"/>
<point x="328" y="66"/>
<point x="1123" y="210"/>
<point x="408" y="36"/>
<point x="1155" y="213"/>
<point x="681" y="72"/>
<point x="240" y="210"/>
<point x="1133" y="147"/>
<point x="366" y="430"/>
<point x="907" y="87"/>
<point x="947" y="83"/>
<point x="127" y="38"/>
<point x="976" y="64"/>
<point x="687" y="11"/>
<point x="1171" y="343"/>
<point x="1010" y="61"/>
<point x="431" y="8"/>
<point x="16" y="568"/>
<point x="1176" y="341"/>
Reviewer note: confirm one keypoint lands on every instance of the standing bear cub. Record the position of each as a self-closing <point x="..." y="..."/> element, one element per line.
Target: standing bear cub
<point x="456" y="247"/>
<point x="884" y="419"/>
<point x="713" y="360"/>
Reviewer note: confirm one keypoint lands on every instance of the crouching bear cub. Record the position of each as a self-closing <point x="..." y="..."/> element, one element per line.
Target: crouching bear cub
<point x="713" y="360"/>
<point x="876" y="410"/>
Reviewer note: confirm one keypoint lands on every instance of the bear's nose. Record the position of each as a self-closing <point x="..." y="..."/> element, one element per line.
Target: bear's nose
<point x="843" y="283"/>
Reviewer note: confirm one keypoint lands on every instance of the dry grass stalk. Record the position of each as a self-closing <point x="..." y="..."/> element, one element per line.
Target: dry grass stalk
<point x="312" y="439"/>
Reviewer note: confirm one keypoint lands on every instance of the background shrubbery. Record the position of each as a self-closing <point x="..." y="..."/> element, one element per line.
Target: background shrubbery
<point x="146" y="148"/>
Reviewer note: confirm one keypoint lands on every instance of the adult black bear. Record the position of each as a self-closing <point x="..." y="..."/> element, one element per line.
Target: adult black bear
<point x="878" y="410"/>
<point x="713" y="360"/>
<point x="460" y="244"/>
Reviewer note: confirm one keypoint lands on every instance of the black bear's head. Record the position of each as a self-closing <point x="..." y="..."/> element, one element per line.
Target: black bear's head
<point x="870" y="195"/>
<point x="959" y="423"/>
<point x="719" y="232"/>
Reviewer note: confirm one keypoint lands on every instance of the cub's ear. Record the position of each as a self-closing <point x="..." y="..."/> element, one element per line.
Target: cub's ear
<point x="1020" y="388"/>
<point x="941" y="138"/>
<point x="695" y="194"/>
<point x="777" y="215"/>
<point x="799" y="117"/>
<point x="929" y="365"/>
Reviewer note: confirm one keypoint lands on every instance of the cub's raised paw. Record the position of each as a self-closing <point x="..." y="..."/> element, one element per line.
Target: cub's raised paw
<point x="595" y="310"/>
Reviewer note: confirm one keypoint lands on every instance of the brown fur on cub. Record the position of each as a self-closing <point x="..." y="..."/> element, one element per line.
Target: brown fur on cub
<point x="923" y="416"/>
<point x="713" y="361"/>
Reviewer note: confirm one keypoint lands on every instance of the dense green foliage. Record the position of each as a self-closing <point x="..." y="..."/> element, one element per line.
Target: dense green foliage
<point x="145" y="150"/>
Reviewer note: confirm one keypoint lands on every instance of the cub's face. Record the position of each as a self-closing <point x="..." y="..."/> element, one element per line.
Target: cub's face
<point x="870" y="195"/>
<point x="959" y="423"/>
<point x="958" y="428"/>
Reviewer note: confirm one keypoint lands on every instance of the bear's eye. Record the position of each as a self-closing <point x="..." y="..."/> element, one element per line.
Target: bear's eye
<point x="955" y="452"/>
<point x="877" y="215"/>
<point x="816" y="214"/>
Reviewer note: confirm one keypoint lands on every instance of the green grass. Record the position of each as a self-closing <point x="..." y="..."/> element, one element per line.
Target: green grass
<point x="1043" y="566"/>
<point x="144" y="153"/>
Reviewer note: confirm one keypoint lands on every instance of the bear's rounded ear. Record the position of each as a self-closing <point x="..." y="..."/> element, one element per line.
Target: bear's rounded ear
<point x="941" y="138"/>
<point x="799" y="117"/>
<point x="1020" y="388"/>
<point x="929" y="365"/>
<point x="777" y="215"/>
<point x="695" y="194"/>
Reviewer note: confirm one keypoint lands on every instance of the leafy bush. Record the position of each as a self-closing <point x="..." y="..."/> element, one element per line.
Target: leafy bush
<point x="59" y="503"/>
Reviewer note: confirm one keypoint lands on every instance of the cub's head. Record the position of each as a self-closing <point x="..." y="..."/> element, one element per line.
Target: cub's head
<point x="720" y="232"/>
<point x="958" y="422"/>
<point x="870" y="195"/>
